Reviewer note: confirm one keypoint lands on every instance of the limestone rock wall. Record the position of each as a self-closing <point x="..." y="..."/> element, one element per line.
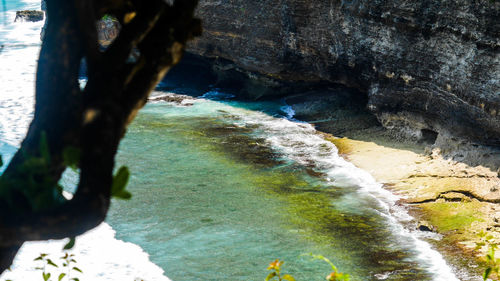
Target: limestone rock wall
<point x="431" y="65"/>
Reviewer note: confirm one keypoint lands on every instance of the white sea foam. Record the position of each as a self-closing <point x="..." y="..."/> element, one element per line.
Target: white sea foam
<point x="216" y="95"/>
<point x="303" y="144"/>
<point x="18" y="57"/>
<point x="99" y="254"/>
<point x="288" y="110"/>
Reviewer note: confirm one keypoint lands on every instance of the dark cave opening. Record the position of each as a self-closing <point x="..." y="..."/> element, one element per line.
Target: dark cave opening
<point x="428" y="136"/>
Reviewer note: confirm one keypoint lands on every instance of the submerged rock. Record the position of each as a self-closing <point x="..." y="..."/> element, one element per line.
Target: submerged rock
<point x="425" y="226"/>
<point x="29" y="15"/>
<point x="173" y="98"/>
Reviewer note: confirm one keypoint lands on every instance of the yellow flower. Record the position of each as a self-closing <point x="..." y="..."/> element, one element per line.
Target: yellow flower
<point x="275" y="265"/>
<point x="332" y="276"/>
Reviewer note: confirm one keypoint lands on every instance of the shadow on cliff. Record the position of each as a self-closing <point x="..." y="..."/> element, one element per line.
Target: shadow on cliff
<point x="332" y="108"/>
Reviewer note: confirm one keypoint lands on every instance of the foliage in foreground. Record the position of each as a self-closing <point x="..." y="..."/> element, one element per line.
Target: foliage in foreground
<point x="65" y="267"/>
<point x="67" y="261"/>
<point x="276" y="265"/>
<point x="86" y="123"/>
<point x="492" y="263"/>
<point x="40" y="189"/>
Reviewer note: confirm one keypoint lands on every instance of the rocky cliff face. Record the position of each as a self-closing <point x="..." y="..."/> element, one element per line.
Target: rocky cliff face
<point x="426" y="67"/>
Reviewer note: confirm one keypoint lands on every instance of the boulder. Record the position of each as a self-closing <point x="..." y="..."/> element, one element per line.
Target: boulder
<point x="29" y="15"/>
<point x="425" y="226"/>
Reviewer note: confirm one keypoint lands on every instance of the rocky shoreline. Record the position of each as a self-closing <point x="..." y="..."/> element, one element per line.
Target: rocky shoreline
<point x="407" y="93"/>
<point x="449" y="183"/>
<point x="449" y="197"/>
<point x="455" y="198"/>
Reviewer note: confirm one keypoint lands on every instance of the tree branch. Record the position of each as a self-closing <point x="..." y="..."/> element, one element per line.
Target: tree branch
<point x="93" y="121"/>
<point x="87" y="24"/>
<point x="132" y="33"/>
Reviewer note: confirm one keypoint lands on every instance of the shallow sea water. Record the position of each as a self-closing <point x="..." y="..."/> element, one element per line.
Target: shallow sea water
<point x="220" y="189"/>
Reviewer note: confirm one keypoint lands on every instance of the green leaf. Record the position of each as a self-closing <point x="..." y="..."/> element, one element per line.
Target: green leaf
<point x="61" y="276"/>
<point x="125" y="195"/>
<point x="69" y="245"/>
<point x="44" y="147"/>
<point x="120" y="181"/>
<point x="71" y="157"/>
<point x="77" y="269"/>
<point x="344" y="277"/>
<point x="50" y="262"/>
<point x="270" y="276"/>
<point x="38" y="259"/>
<point x="46" y="276"/>
<point x="486" y="273"/>
<point x="491" y="253"/>
<point x="288" y="277"/>
<point x="75" y="279"/>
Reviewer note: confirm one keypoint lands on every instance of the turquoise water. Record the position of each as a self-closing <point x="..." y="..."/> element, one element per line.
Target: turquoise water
<point x="213" y="201"/>
<point x="9" y="5"/>
<point x="222" y="188"/>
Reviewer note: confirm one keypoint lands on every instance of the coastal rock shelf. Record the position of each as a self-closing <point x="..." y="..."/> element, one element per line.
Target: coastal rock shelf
<point x="428" y="68"/>
<point x="29" y="15"/>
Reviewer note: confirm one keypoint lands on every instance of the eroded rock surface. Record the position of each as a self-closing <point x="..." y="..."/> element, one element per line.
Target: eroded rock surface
<point x="29" y="15"/>
<point x="427" y="67"/>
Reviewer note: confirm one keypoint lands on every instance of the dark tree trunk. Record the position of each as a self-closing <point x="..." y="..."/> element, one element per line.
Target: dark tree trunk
<point x="92" y="120"/>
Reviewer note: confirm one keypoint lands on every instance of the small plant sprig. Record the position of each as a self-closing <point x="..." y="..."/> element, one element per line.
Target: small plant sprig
<point x="275" y="266"/>
<point x="492" y="264"/>
<point x="44" y="259"/>
<point x="68" y="262"/>
<point x="335" y="275"/>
